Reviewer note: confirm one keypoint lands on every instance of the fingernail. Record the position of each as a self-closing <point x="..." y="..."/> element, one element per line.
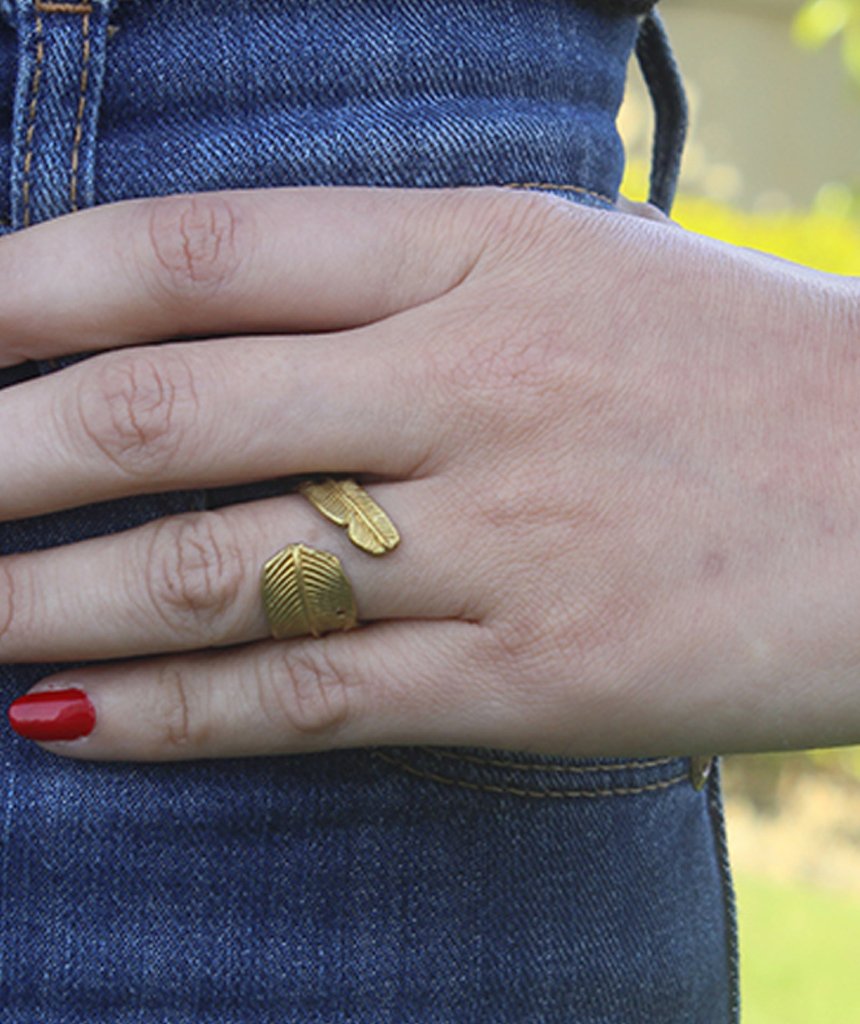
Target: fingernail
<point x="53" y="715"/>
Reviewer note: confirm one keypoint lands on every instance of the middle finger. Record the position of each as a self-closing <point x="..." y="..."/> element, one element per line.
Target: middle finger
<point x="207" y="414"/>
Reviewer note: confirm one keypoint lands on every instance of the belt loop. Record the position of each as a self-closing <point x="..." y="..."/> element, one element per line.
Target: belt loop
<point x="663" y="79"/>
<point x="61" y="60"/>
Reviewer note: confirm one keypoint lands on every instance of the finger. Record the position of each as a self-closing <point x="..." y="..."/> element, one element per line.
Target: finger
<point x="395" y="682"/>
<point x="206" y="414"/>
<point x="647" y="211"/>
<point x="193" y="580"/>
<point x="273" y="260"/>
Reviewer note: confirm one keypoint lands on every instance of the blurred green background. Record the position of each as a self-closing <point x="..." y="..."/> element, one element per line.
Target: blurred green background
<point x="773" y="162"/>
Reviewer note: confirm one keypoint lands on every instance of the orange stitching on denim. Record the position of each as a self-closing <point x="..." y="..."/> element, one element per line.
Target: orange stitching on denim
<point x="549" y="186"/>
<point x="656" y="762"/>
<point x="570" y="794"/>
<point x="31" y="118"/>
<point x="79" y="124"/>
<point x="61" y="8"/>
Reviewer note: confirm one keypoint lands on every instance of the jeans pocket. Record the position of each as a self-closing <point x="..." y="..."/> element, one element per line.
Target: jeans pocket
<point x="537" y="776"/>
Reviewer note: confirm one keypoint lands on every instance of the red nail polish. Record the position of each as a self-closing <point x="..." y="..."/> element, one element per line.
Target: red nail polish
<point x="53" y="715"/>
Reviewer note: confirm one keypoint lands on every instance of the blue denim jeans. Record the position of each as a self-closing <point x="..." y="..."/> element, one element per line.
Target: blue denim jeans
<point x="388" y="885"/>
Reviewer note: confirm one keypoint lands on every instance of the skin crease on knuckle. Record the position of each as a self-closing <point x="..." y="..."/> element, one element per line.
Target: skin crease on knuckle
<point x="136" y="407"/>
<point x="186" y="726"/>
<point x="8" y="596"/>
<point x="191" y="245"/>
<point x="303" y="693"/>
<point x="21" y="610"/>
<point x="194" y="573"/>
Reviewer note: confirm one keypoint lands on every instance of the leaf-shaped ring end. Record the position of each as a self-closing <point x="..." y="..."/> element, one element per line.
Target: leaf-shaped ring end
<point x="348" y="504"/>
<point x="306" y="593"/>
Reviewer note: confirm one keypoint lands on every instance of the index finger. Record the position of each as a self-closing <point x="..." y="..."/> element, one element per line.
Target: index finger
<point x="291" y="259"/>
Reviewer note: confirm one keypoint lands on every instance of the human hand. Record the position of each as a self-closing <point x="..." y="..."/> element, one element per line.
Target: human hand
<point x="623" y="458"/>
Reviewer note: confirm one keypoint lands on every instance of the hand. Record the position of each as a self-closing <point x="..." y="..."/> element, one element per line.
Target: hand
<point x="623" y="458"/>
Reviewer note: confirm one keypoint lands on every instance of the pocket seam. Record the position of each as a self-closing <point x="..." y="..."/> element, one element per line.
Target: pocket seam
<point x="550" y="186"/>
<point x="590" y="769"/>
<point x="534" y="794"/>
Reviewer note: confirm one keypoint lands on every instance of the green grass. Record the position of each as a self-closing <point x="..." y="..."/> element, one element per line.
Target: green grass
<point x="800" y="954"/>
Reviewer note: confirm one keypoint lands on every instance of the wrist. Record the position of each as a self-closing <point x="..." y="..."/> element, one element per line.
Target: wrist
<point x="798" y="625"/>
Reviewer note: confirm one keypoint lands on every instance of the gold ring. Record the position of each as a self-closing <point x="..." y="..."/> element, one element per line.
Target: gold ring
<point x="348" y="504"/>
<point x="306" y="593"/>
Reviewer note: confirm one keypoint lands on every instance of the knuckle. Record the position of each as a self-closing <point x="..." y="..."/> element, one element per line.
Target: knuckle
<point x="8" y="598"/>
<point x="588" y="635"/>
<point x="195" y="573"/>
<point x="20" y="612"/>
<point x="507" y="379"/>
<point x="301" y="690"/>
<point x="524" y="639"/>
<point x="136" y="409"/>
<point x="183" y="727"/>
<point x="522" y="356"/>
<point x="438" y="243"/>
<point x="192" y="244"/>
<point x="521" y="222"/>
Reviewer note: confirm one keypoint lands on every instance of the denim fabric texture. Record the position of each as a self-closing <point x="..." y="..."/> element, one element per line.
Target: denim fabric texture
<point x="430" y="885"/>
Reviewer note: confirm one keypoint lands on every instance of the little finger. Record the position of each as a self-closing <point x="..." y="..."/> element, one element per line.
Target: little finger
<point x="389" y="683"/>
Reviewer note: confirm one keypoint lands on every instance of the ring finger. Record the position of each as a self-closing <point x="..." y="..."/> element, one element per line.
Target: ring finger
<point x="193" y="581"/>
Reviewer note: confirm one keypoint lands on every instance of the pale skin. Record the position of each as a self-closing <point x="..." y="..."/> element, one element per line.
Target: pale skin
<point x="624" y="460"/>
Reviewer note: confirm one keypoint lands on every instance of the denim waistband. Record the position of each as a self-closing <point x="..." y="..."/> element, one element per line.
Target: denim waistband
<point x="366" y="92"/>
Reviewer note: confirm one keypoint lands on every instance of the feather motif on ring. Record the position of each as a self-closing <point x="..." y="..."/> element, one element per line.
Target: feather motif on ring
<point x="348" y="504"/>
<point x="306" y="593"/>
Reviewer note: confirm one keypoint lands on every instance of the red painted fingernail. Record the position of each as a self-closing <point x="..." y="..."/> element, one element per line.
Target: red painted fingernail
<point x="53" y="715"/>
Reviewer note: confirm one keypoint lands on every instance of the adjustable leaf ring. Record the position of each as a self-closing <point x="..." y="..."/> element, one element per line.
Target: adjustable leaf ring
<point x="349" y="505"/>
<point x="306" y="592"/>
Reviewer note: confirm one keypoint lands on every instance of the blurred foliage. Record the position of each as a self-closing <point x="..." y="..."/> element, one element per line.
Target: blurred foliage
<point x="826" y="237"/>
<point x="819" y="21"/>
<point x="845" y="760"/>
<point x="815" y="238"/>
<point x="764" y="780"/>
